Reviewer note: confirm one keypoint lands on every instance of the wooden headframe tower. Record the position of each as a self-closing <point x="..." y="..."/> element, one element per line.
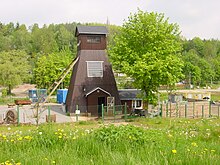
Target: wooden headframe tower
<point x="92" y="82"/>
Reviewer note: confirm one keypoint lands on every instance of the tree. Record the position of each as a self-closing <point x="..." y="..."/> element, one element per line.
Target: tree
<point x="191" y="68"/>
<point x="14" y="68"/>
<point x="148" y="50"/>
<point x="43" y="40"/>
<point x="63" y="38"/>
<point x="21" y="38"/>
<point x="49" y="67"/>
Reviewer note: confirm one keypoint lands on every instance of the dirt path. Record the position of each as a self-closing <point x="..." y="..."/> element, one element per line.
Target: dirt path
<point x="22" y="90"/>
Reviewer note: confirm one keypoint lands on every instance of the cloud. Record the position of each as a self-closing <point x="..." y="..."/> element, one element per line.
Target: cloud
<point x="195" y="17"/>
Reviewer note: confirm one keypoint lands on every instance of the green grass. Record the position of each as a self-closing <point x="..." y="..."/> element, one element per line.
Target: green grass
<point x="215" y="96"/>
<point x="144" y="141"/>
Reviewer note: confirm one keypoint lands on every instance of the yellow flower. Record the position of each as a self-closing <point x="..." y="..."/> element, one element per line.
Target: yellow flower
<point x="194" y="144"/>
<point x="20" y="138"/>
<point x="74" y="138"/>
<point x="212" y="150"/>
<point x="174" y="151"/>
<point x="129" y="137"/>
<point x="170" y="136"/>
<point x="12" y="140"/>
<point x="28" y="137"/>
<point x="60" y="137"/>
<point x="18" y="163"/>
<point x="54" y="162"/>
<point x="8" y="163"/>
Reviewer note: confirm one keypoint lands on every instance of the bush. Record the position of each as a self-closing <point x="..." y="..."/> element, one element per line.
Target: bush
<point x="4" y="92"/>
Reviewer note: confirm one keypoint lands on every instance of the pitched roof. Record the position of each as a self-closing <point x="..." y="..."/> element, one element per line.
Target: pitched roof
<point x="98" y="88"/>
<point x="91" y="30"/>
<point x="129" y="94"/>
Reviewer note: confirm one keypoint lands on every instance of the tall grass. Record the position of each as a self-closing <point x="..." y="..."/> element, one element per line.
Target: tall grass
<point x="147" y="141"/>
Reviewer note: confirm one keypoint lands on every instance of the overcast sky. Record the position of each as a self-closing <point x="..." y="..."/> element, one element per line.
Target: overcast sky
<point x="195" y="17"/>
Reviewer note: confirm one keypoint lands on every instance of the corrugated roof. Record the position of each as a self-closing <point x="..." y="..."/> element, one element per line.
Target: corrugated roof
<point x="129" y="94"/>
<point x="91" y="30"/>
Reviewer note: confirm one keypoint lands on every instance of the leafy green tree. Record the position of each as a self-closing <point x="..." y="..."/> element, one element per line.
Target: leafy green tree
<point x="43" y="40"/>
<point x="21" y="38"/>
<point x="191" y="68"/>
<point x="216" y="68"/>
<point x="148" y="50"/>
<point x="207" y="73"/>
<point x="14" y="68"/>
<point x="49" y="67"/>
<point x="63" y="38"/>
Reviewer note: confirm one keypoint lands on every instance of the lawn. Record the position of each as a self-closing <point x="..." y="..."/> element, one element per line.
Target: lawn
<point x="142" y="141"/>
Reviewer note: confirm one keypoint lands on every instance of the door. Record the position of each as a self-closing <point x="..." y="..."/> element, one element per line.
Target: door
<point x="101" y="100"/>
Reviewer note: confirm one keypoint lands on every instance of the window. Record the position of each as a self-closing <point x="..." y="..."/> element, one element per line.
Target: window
<point x="95" y="68"/>
<point x="94" y="39"/>
<point x="136" y="104"/>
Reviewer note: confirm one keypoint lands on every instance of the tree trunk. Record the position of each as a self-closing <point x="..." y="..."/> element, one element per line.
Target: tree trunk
<point x="9" y="90"/>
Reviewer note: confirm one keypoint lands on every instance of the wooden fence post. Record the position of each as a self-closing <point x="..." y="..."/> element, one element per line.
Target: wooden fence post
<point x="185" y="110"/>
<point x="193" y="109"/>
<point x="18" y="111"/>
<point x="202" y="111"/>
<point x="167" y="109"/>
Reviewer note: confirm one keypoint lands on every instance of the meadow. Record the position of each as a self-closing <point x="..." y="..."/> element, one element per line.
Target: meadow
<point x="140" y="141"/>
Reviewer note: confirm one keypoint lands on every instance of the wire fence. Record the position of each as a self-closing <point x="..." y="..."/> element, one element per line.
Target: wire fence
<point x="204" y="109"/>
<point x="27" y="114"/>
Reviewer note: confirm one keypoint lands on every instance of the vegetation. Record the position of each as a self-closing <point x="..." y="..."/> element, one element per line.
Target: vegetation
<point x="148" y="50"/>
<point x="201" y="57"/>
<point x="49" y="67"/>
<point x="144" y="141"/>
<point x="202" y="61"/>
<point x="14" y="68"/>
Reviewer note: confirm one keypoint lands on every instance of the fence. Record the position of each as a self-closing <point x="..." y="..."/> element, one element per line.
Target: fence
<point x="55" y="112"/>
<point x="202" y="109"/>
<point x="101" y="112"/>
<point x="27" y="114"/>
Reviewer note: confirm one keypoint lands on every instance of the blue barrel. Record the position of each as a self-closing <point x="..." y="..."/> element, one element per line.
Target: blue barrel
<point x="61" y="95"/>
<point x="32" y="94"/>
<point x="35" y="94"/>
<point x="42" y="94"/>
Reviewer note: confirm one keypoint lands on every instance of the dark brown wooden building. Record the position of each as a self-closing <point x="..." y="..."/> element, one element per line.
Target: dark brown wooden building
<point x="132" y="98"/>
<point x="92" y="80"/>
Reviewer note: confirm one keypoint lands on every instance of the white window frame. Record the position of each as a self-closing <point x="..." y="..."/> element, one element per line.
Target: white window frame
<point x="97" y="69"/>
<point x="135" y="104"/>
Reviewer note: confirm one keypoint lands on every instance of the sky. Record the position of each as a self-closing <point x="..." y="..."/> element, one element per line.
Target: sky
<point x="196" y="18"/>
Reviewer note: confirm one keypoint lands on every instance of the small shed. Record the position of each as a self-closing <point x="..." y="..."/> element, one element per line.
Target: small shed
<point x="132" y="98"/>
